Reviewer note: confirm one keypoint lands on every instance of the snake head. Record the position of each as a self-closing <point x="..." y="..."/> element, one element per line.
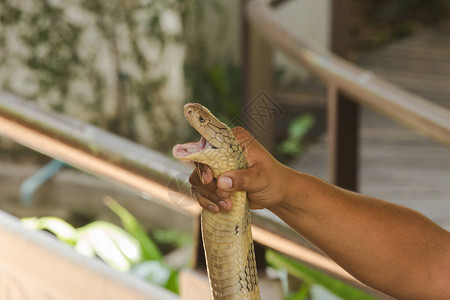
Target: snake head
<point x="217" y="138"/>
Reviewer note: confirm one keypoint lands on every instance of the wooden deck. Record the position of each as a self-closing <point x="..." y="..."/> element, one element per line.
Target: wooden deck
<point x="397" y="164"/>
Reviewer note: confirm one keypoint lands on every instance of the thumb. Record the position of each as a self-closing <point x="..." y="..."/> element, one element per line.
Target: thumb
<point x="237" y="180"/>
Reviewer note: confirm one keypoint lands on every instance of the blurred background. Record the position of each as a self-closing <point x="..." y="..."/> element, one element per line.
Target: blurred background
<point x="129" y="66"/>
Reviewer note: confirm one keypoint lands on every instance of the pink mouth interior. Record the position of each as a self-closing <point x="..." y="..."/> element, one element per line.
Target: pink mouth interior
<point x="183" y="150"/>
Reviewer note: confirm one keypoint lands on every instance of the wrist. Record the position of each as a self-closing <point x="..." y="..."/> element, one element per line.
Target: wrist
<point x="290" y="189"/>
<point x="298" y="193"/>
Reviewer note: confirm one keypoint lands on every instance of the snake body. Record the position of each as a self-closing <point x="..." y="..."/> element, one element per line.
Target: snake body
<point x="227" y="236"/>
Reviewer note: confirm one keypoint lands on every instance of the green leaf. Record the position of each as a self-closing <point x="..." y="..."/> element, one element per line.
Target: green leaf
<point x="171" y="236"/>
<point x="60" y="228"/>
<point x="173" y="282"/>
<point x="111" y="243"/>
<point x="312" y="276"/>
<point x="300" y="126"/>
<point x="158" y="273"/>
<point x="289" y="147"/>
<point x="153" y="271"/>
<point x="149" y="249"/>
<point x="301" y="294"/>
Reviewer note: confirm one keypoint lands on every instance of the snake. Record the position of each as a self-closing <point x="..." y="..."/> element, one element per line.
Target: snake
<point x="227" y="235"/>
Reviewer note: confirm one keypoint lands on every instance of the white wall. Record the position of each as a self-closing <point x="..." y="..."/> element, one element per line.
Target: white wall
<point x="307" y="19"/>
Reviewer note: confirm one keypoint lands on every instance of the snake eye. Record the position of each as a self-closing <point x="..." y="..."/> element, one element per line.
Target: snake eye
<point x="201" y="119"/>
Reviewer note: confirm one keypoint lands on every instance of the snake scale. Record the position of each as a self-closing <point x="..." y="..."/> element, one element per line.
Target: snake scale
<point x="227" y="236"/>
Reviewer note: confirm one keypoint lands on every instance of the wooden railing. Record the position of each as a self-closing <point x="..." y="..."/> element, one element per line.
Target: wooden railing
<point x="348" y="87"/>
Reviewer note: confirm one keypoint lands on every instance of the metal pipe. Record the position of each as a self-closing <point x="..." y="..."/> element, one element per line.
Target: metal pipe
<point x="364" y="87"/>
<point x="30" y="185"/>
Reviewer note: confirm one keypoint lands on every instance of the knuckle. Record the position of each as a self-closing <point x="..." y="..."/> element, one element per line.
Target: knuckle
<point x="201" y="194"/>
<point x="222" y="194"/>
<point x="211" y="197"/>
<point x="244" y="182"/>
<point x="212" y="187"/>
<point x="205" y="193"/>
<point x="204" y="202"/>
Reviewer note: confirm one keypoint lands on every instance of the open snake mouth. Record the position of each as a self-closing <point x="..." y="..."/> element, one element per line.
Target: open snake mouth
<point x="185" y="150"/>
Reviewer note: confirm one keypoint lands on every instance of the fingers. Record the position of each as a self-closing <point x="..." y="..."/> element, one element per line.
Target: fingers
<point x="195" y="181"/>
<point x="203" y="198"/>
<point x="209" y="196"/>
<point x="214" y="195"/>
<point x="205" y="173"/>
<point x="210" y="201"/>
<point x="238" y="180"/>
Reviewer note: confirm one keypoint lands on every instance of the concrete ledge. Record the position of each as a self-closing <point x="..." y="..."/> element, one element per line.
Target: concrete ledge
<point x="34" y="265"/>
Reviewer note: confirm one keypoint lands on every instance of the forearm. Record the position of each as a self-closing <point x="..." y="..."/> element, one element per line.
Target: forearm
<point x="389" y="247"/>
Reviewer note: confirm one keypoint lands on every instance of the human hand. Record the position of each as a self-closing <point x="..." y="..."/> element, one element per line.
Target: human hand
<point x="265" y="180"/>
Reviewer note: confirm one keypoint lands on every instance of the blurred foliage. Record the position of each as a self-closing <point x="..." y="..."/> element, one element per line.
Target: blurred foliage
<point x="399" y="10"/>
<point x="294" y="145"/>
<point x="149" y="249"/>
<point x="217" y="84"/>
<point x="310" y="277"/>
<point x="130" y="250"/>
<point x="386" y="20"/>
<point x="171" y="238"/>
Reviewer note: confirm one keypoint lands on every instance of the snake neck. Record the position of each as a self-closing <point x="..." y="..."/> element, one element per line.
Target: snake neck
<point x="223" y="160"/>
<point x="229" y="251"/>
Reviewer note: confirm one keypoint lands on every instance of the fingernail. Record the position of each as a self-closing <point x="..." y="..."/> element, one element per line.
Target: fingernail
<point x="225" y="182"/>
<point x="222" y="204"/>
<point x="213" y="208"/>
<point x="204" y="177"/>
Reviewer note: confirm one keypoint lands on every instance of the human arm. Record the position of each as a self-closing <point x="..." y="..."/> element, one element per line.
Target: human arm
<point x="389" y="247"/>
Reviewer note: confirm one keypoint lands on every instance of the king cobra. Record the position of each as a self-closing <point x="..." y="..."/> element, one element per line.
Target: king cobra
<point x="227" y="236"/>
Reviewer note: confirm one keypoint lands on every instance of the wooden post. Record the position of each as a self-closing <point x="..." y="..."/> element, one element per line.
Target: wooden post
<point x="341" y="11"/>
<point x="259" y="109"/>
<point x="343" y="113"/>
<point x="199" y="260"/>
<point x="343" y="119"/>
